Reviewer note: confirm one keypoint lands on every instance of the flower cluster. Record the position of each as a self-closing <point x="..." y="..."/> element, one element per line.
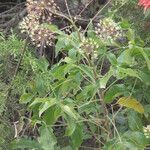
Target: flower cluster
<point x="89" y="46"/>
<point x="107" y="29"/>
<point x="29" y="24"/>
<point x="147" y="131"/>
<point x="145" y="4"/>
<point x="43" y="9"/>
<point x="39" y="12"/>
<point x="42" y="37"/>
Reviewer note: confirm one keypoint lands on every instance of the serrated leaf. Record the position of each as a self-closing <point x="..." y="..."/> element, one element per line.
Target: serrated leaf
<point x="131" y="103"/>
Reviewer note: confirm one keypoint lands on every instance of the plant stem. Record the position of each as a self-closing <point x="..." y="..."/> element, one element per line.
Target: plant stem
<point x="101" y="96"/>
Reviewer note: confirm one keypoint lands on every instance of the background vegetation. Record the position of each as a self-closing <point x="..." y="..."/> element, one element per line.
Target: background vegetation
<point x="83" y="83"/>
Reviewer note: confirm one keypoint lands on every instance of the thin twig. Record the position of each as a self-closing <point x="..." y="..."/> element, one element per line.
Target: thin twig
<point x="115" y="129"/>
<point x="96" y="15"/>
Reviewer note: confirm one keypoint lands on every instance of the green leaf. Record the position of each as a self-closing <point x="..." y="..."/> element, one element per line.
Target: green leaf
<point x="134" y="121"/>
<point x="69" y="111"/>
<point x="112" y="59"/>
<point x="88" y="107"/>
<point x="77" y="136"/>
<point x="105" y="78"/>
<point x="65" y="42"/>
<point x="131" y="36"/>
<point x="46" y="105"/>
<point x="137" y="139"/>
<point x="145" y="76"/>
<point x="124" y="72"/>
<point x="42" y="100"/>
<point x="129" y="141"/>
<point x="40" y="84"/>
<point x="87" y="70"/>
<point x="114" y="144"/>
<point x="71" y="126"/>
<point x="125" y="24"/>
<point x="59" y="72"/>
<point x="52" y="114"/>
<point x="126" y="58"/>
<point x="47" y="138"/>
<point x="113" y="92"/>
<point x="72" y="54"/>
<point x="87" y="92"/>
<point x="26" y="98"/>
<point x="68" y="60"/>
<point x="145" y="56"/>
<point x="25" y="144"/>
<point x="59" y="45"/>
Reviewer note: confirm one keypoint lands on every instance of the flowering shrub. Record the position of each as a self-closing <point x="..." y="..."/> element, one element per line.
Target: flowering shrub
<point x="95" y="97"/>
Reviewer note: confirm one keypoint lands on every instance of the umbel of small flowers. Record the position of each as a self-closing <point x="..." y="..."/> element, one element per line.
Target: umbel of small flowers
<point x="108" y="30"/>
<point x="42" y="37"/>
<point x="145" y="4"/>
<point x="44" y="9"/>
<point x="39" y="35"/>
<point x="29" y="24"/>
<point x="39" y="12"/>
<point x="89" y="46"/>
